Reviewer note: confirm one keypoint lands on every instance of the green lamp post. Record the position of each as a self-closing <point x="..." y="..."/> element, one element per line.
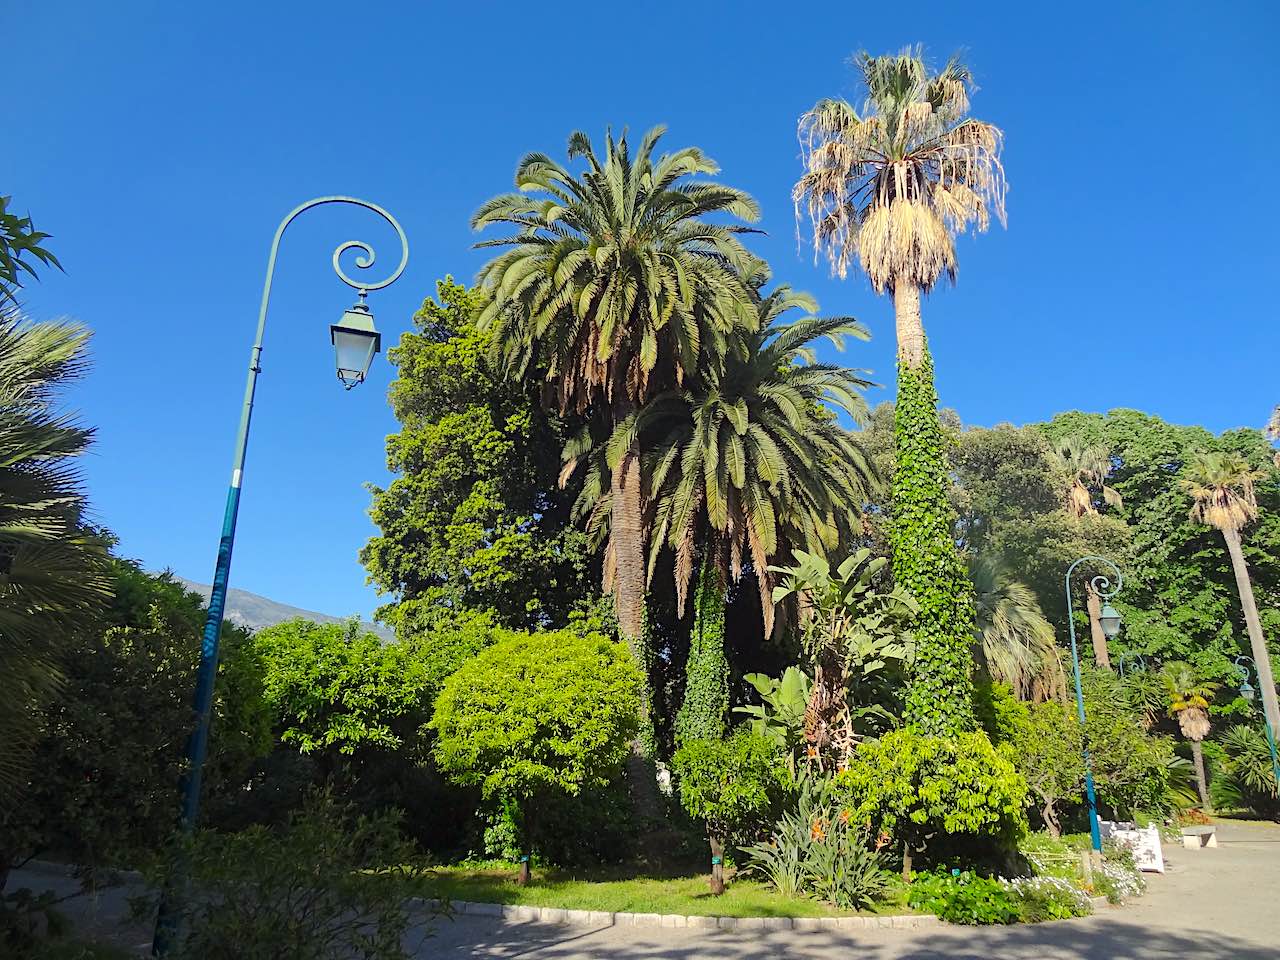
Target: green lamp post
<point x="1250" y="694"/>
<point x="355" y="341"/>
<point x="1110" y="622"/>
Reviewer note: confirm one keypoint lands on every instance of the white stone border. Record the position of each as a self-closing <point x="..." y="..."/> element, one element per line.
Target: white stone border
<point x="524" y="913"/>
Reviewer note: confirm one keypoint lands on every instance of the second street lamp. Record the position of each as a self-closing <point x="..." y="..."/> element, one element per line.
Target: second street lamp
<point x="1249" y="694"/>
<point x="1110" y="621"/>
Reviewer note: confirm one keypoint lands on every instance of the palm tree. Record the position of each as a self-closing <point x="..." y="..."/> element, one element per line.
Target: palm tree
<point x="614" y="286"/>
<point x="891" y="183"/>
<point x="1015" y="642"/>
<point x="1085" y="467"/>
<point x="1189" y="698"/>
<point x="51" y="568"/>
<point x="752" y="464"/>
<point x="1222" y="493"/>
<point x="1272" y="431"/>
<point x="748" y="463"/>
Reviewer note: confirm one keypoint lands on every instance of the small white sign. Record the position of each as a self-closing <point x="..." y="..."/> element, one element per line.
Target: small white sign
<point x="1145" y="844"/>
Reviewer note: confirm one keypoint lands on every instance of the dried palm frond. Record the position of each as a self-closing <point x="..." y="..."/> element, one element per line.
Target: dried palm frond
<point x="1222" y="489"/>
<point x="893" y="183"/>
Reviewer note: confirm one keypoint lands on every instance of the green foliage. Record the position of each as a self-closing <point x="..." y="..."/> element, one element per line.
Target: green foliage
<point x="706" y="693"/>
<point x="474" y="519"/>
<point x="112" y="743"/>
<point x="780" y="715"/>
<point x="964" y="897"/>
<point x="728" y="784"/>
<point x="1131" y="767"/>
<point x="1245" y="778"/>
<point x="327" y="886"/>
<point x="853" y="630"/>
<point x="333" y="687"/>
<point x="20" y="245"/>
<point x="1048" y="748"/>
<point x="919" y="789"/>
<point x="817" y="849"/>
<point x="538" y="713"/>
<point x="927" y="564"/>
<point x="51" y="567"/>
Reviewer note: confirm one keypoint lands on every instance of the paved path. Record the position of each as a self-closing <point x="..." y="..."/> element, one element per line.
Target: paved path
<point x="1221" y="904"/>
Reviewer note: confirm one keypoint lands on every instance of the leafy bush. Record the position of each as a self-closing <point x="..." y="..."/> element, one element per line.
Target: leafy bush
<point x="1048" y="750"/>
<point x="1119" y="879"/>
<point x="917" y="789"/>
<point x="1131" y="768"/>
<point x="965" y="897"/>
<point x="729" y="785"/>
<point x="535" y="715"/>
<point x="817" y="848"/>
<point x="326" y="887"/>
<point x="1245" y="777"/>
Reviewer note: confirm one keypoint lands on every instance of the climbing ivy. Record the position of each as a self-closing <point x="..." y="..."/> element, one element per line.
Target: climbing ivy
<point x="706" y="692"/>
<point x="926" y="562"/>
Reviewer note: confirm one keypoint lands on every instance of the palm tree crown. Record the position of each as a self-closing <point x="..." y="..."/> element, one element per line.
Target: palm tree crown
<point x="1016" y="642"/>
<point x="1222" y="489"/>
<point x="614" y="274"/>
<point x="753" y="457"/>
<point x="1086" y="467"/>
<point x="895" y="180"/>
<point x="1189" y="698"/>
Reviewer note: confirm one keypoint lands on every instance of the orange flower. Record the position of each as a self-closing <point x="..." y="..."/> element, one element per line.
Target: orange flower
<point x="819" y="829"/>
<point x="811" y="753"/>
<point x="845" y="815"/>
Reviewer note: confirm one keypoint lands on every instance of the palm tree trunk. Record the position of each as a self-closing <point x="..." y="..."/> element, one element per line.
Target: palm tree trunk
<point x="1100" y="654"/>
<point x="1202" y="785"/>
<point x="1261" y="656"/>
<point x="910" y="328"/>
<point x="925" y="559"/>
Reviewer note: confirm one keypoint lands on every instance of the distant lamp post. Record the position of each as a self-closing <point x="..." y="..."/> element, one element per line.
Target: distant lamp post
<point x="1110" y="621"/>
<point x="1136" y="662"/>
<point x="355" y="343"/>
<point x="1249" y="693"/>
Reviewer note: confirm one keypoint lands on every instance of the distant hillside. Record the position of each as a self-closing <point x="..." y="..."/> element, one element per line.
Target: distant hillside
<point x="250" y="610"/>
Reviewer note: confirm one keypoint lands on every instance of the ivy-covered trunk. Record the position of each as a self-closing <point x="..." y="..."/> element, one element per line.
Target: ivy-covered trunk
<point x="925" y="559"/>
<point x="706" y="685"/>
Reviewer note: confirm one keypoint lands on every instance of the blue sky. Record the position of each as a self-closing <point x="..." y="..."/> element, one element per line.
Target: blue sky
<point x="161" y="142"/>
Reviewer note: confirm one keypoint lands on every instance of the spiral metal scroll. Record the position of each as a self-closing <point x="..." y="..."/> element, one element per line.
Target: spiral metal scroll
<point x="1101" y="584"/>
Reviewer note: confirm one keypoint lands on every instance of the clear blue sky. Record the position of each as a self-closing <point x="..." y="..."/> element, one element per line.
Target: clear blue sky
<point x="161" y="142"/>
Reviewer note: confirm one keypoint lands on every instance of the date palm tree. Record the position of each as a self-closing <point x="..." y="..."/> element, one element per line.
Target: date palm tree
<point x="615" y="285"/>
<point x="1223" y="497"/>
<point x="889" y="184"/>
<point x="1188" y="701"/>
<point x="1014" y="641"/>
<point x="51" y="569"/>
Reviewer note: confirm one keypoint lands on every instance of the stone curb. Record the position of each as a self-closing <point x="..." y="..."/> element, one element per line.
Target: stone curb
<point x="597" y="918"/>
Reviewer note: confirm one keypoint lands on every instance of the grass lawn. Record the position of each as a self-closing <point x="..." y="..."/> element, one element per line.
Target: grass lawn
<point x="683" y="894"/>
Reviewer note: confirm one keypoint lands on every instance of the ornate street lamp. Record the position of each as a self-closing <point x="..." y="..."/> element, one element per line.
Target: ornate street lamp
<point x="1110" y="626"/>
<point x="1249" y="693"/>
<point x="355" y="342"/>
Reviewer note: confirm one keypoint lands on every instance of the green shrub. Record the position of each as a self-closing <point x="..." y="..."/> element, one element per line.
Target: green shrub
<point x="1245" y="777"/>
<point x="1119" y="879"/>
<point x="917" y="790"/>
<point x="729" y="785"/>
<point x="538" y="715"/>
<point x="328" y="886"/>
<point x="817" y="848"/>
<point x="963" y="897"/>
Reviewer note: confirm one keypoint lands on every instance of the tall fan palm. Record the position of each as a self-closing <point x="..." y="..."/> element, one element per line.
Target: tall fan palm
<point x="51" y="571"/>
<point x="1189" y="698"/>
<point x="615" y="286"/>
<point x="1223" y="497"/>
<point x="1015" y="641"/>
<point x="890" y="184"/>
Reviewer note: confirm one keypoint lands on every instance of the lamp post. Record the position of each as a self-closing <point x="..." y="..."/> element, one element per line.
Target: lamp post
<point x="1139" y="661"/>
<point x="355" y="342"/>
<point x="1249" y="693"/>
<point x="1110" y="621"/>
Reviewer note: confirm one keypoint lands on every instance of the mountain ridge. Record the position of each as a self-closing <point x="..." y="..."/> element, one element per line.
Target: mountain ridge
<point x="255" y="611"/>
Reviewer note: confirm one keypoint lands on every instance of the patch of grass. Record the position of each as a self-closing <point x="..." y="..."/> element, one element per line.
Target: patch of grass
<point x="492" y="882"/>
